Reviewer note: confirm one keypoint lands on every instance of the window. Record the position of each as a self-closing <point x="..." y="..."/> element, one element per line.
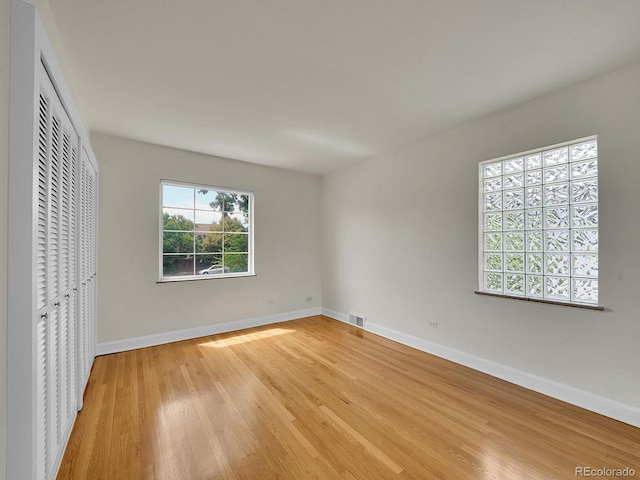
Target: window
<point x="206" y="232"/>
<point x="539" y="224"/>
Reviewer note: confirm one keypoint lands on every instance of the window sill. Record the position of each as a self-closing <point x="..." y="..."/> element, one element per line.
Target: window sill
<point x="195" y="278"/>
<point x="542" y="300"/>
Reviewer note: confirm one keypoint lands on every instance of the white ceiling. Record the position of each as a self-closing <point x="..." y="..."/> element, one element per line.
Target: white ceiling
<point x="312" y="85"/>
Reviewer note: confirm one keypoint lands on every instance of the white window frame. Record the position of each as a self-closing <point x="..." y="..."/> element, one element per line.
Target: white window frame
<point x="482" y="288"/>
<point x="181" y="278"/>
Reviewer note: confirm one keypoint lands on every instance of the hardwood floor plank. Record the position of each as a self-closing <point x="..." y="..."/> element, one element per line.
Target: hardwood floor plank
<point x="318" y="399"/>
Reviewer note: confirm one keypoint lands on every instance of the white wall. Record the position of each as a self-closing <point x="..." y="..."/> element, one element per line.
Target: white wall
<point x="4" y="164"/>
<point x="400" y="242"/>
<point x="287" y="242"/>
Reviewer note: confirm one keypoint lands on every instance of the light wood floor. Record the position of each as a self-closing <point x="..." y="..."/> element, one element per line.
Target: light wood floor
<point x="318" y="399"/>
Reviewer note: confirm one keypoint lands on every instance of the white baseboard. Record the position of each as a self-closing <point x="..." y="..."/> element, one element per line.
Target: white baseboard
<point x="187" y="334"/>
<point x="602" y="405"/>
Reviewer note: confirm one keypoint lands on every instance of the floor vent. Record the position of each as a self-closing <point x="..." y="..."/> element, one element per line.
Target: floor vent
<point x="356" y="320"/>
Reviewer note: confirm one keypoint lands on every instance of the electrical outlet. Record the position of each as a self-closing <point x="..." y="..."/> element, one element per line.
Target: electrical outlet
<point x="309" y="299"/>
<point x="433" y="324"/>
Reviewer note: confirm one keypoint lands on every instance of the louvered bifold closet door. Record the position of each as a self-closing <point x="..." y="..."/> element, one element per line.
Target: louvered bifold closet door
<point x="88" y="268"/>
<point x="56" y="278"/>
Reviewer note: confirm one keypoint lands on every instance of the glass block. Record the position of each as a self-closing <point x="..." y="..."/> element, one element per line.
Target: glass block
<point x="492" y="221"/>
<point x="557" y="264"/>
<point x="556" y="174"/>
<point x="534" y="263"/>
<point x="493" y="261"/>
<point x="534" y="197"/>
<point x="493" y="282"/>
<point x="556" y="194"/>
<point x="492" y="169"/>
<point x="585" y="291"/>
<point x="534" y="177"/>
<point x="534" y="241"/>
<point x="493" y="184"/>
<point x="514" y="284"/>
<point x="585" y="265"/>
<point x="514" y="241"/>
<point x="534" y="219"/>
<point x="557" y="217"/>
<point x="493" y="241"/>
<point x="533" y="161"/>
<point x="514" y="181"/>
<point x="513" y="165"/>
<point x="556" y="240"/>
<point x="492" y="202"/>
<point x="555" y="157"/>
<point x="514" y="220"/>
<point x="514" y="199"/>
<point x="584" y="191"/>
<point x="584" y="216"/>
<point x="534" y="286"/>
<point x="585" y="240"/>
<point x="583" y="151"/>
<point x="584" y="169"/>
<point x="514" y="262"/>
<point x="557" y="287"/>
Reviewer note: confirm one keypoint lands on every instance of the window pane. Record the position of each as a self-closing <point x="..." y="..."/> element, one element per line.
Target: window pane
<point x="209" y="242"/>
<point x="236" y="222"/>
<point x="177" y="265"/>
<point x="181" y="197"/>
<point x="237" y="242"/>
<point x="210" y="265"/>
<point x="205" y="199"/>
<point x="177" y="242"/>
<point x="177" y="219"/>
<point x="237" y="262"/>
<point x="205" y="219"/>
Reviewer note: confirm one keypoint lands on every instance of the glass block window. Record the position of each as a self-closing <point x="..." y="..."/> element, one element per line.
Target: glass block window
<point x="539" y="224"/>
<point x="205" y="232"/>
